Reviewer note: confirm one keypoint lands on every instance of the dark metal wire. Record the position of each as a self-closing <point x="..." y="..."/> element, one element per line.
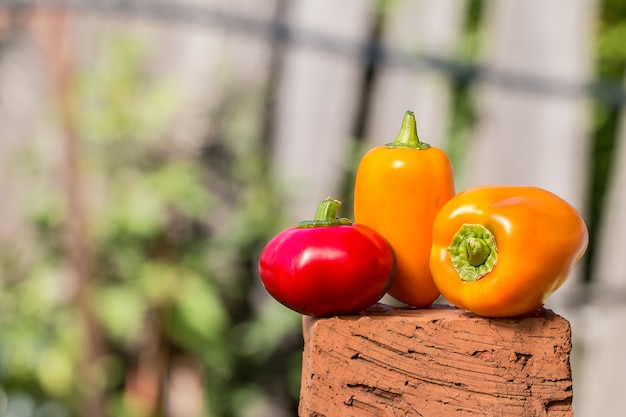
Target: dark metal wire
<point x="607" y="92"/>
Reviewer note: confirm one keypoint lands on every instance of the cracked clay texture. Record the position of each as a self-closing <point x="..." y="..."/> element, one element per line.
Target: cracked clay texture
<point x="439" y="361"/>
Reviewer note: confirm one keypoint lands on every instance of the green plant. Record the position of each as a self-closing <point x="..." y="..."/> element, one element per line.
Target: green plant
<point x="172" y="241"/>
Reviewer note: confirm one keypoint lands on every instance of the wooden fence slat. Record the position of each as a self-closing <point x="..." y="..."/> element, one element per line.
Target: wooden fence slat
<point x="600" y="382"/>
<point x="526" y="138"/>
<point x="610" y="264"/>
<point x="21" y="87"/>
<point x="317" y="101"/>
<point x="215" y="62"/>
<point x="411" y="26"/>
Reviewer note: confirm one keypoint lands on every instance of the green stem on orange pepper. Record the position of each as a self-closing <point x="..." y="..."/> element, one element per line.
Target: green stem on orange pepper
<point x="407" y="136"/>
<point x="473" y="252"/>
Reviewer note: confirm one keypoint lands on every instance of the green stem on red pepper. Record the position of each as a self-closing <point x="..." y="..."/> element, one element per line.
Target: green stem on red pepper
<point x="326" y="215"/>
<point x="407" y="137"/>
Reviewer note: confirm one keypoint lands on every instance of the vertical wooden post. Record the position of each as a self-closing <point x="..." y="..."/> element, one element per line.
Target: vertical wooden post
<point x="604" y="338"/>
<point x="51" y="27"/>
<point x="410" y="27"/>
<point x="317" y="100"/>
<point x="534" y="131"/>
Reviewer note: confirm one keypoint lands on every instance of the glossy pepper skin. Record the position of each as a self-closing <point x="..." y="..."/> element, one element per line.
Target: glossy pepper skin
<point x="327" y="266"/>
<point x="501" y="251"/>
<point x="399" y="189"/>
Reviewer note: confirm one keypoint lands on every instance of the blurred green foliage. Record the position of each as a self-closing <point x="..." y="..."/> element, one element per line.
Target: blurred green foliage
<point x="462" y="113"/>
<point x="610" y="62"/>
<point x="174" y="238"/>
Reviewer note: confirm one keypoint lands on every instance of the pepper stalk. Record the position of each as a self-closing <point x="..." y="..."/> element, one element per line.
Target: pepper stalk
<point x="473" y="252"/>
<point x="407" y="136"/>
<point x="326" y="215"/>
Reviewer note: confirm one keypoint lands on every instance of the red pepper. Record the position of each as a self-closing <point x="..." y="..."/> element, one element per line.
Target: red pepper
<point x="327" y="266"/>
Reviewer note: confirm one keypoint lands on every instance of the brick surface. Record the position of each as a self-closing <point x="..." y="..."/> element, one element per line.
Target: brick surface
<point x="439" y="361"/>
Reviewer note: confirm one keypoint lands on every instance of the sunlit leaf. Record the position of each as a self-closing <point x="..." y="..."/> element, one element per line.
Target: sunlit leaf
<point x="55" y="371"/>
<point x="200" y="309"/>
<point x="160" y="281"/>
<point x="268" y="329"/>
<point x="179" y="183"/>
<point x="120" y="309"/>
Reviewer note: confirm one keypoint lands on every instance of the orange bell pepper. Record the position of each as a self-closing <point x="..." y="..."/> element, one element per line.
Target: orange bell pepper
<point x="501" y="251"/>
<point x="399" y="189"/>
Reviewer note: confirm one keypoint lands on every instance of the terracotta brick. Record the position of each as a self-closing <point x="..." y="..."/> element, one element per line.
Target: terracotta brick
<point x="439" y="361"/>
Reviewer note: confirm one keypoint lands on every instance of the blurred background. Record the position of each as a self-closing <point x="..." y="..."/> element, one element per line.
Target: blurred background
<point x="150" y="149"/>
